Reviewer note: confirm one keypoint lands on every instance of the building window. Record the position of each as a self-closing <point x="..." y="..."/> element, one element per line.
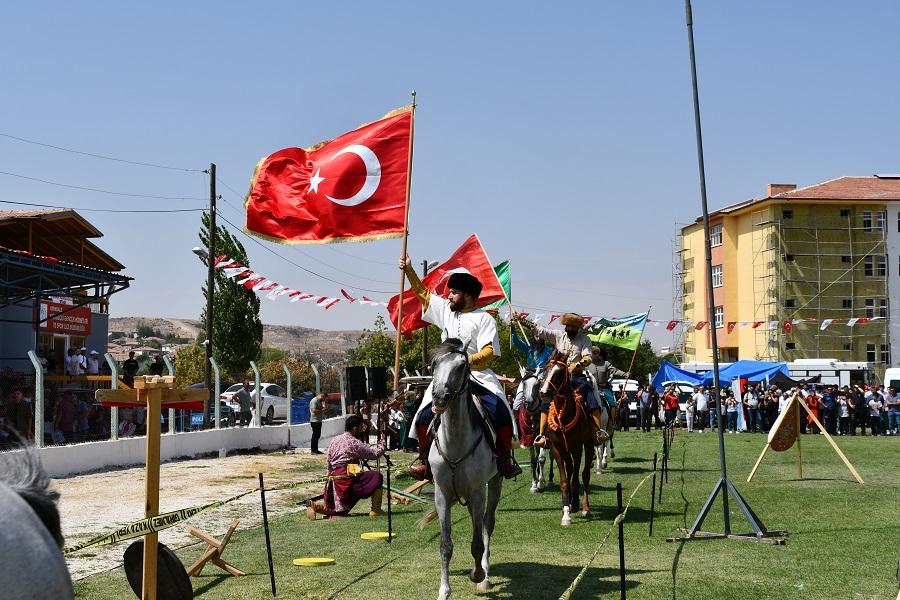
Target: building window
<point x="898" y="221"/>
<point x="715" y="235"/>
<point x="883" y="308"/>
<point x="848" y="346"/>
<point x="719" y="314"/>
<point x="845" y="212"/>
<point x="881" y="265"/>
<point x="870" y="308"/>
<point x="868" y="266"/>
<point x="870" y="353"/>
<point x="880" y="218"/>
<point x="875" y="266"/>
<point x="788" y="258"/>
<point x="847" y="303"/>
<point x="790" y="303"/>
<point x="787" y="214"/>
<point x="845" y="259"/>
<point x="717" y="276"/>
<point x="790" y="346"/>
<point x="886" y="354"/>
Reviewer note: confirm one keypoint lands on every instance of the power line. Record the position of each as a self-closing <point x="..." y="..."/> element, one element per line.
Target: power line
<point x="556" y="289"/>
<point x="99" y="191"/>
<point x="106" y="210"/>
<point x="101" y="156"/>
<point x="299" y="266"/>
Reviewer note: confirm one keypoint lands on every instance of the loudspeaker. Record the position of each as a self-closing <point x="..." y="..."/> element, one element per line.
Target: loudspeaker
<point x="377" y="383"/>
<point x="356" y="384"/>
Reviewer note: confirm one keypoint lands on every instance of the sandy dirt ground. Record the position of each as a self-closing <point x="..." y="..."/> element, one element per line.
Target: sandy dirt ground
<point x="100" y="502"/>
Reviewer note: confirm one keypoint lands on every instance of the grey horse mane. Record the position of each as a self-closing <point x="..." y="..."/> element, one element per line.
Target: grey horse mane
<point x="23" y="473"/>
<point x="445" y="347"/>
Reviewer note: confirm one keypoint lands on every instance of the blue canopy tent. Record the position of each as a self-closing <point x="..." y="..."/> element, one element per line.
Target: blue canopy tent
<point x="753" y="370"/>
<point x="669" y="372"/>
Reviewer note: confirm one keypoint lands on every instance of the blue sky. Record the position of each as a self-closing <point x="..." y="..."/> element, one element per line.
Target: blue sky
<point x="561" y="133"/>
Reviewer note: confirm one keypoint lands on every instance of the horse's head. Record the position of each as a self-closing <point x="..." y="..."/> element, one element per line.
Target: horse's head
<point x="531" y="391"/>
<point x="556" y="378"/>
<point x="450" y="369"/>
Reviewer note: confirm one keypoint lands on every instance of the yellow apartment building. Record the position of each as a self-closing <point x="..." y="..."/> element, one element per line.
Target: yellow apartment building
<point x="798" y="256"/>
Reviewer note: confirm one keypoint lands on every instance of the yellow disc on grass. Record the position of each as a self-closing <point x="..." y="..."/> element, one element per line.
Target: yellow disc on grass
<point x="313" y="561"/>
<point x="377" y="535"/>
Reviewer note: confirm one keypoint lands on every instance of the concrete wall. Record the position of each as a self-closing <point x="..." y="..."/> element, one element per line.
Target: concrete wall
<point x="62" y="461"/>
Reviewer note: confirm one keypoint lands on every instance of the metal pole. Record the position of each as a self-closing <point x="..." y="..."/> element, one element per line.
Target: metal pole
<point x="257" y="419"/>
<point x="217" y="410"/>
<point x="652" y="497"/>
<point x="262" y="496"/>
<point x="290" y="398"/>
<point x="113" y="384"/>
<point x="318" y="379"/>
<point x="343" y="393"/>
<point x="389" y="464"/>
<point x="38" y="399"/>
<point x="210" y="284"/>
<point x="171" y="369"/>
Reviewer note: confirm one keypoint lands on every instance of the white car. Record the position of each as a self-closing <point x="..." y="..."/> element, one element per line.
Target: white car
<point x="274" y="400"/>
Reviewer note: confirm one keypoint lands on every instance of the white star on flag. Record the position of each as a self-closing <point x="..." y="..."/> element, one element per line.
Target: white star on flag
<point x="315" y="180"/>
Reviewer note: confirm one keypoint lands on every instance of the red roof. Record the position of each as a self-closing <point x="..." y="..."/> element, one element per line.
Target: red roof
<point x="848" y="188"/>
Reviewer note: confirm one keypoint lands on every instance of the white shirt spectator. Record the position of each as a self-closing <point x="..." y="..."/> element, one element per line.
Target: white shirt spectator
<point x="751" y="399"/>
<point x="701" y="402"/>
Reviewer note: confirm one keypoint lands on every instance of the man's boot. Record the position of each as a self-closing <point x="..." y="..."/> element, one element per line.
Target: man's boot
<point x="600" y="435"/>
<point x="316" y="507"/>
<point x="375" y="511"/>
<point x="540" y="440"/>
<point x="507" y="466"/>
<point x="422" y="470"/>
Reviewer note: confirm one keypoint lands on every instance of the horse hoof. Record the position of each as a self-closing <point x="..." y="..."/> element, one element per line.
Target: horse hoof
<point x="476" y="575"/>
<point x="612" y="453"/>
<point x="444" y="594"/>
<point x="586" y="514"/>
<point x="566" y="522"/>
<point x="534" y="488"/>
<point x="484" y="586"/>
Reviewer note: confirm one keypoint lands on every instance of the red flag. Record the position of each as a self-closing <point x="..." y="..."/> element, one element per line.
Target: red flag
<point x="468" y="257"/>
<point x="731" y="325"/>
<point x="352" y="188"/>
<point x="701" y="325"/>
<point x="671" y="326"/>
<point x="553" y="318"/>
<point x="788" y="327"/>
<point x="757" y="324"/>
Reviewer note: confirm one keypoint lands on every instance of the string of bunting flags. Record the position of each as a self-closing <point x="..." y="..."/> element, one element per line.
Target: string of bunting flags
<point x="787" y="325"/>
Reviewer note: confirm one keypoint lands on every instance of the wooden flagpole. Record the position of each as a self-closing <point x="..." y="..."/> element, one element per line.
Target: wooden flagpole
<point x="412" y="128"/>
<point x="832" y="442"/>
<point x="797" y="398"/>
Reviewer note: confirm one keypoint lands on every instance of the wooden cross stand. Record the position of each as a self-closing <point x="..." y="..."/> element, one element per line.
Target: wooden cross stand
<point x="214" y="550"/>
<point x="153" y="393"/>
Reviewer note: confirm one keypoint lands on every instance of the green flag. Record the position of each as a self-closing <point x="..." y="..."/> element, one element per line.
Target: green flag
<point x="502" y="271"/>
<point x="624" y="332"/>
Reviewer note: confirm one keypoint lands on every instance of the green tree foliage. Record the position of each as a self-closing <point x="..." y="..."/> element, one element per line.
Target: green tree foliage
<point x="237" y="329"/>
<point x="190" y="365"/>
<point x="645" y="362"/>
<point x="302" y="376"/>
<point x="145" y="331"/>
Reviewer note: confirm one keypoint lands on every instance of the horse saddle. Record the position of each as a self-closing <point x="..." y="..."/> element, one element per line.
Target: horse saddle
<point x="486" y="424"/>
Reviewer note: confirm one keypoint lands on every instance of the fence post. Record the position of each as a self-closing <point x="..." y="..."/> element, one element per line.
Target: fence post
<point x="621" y="539"/>
<point x="113" y="384"/>
<point x="290" y="398"/>
<point x="318" y="379"/>
<point x="343" y="393"/>
<point x="217" y="410"/>
<point x="171" y="369"/>
<point x="38" y="399"/>
<point x="257" y="418"/>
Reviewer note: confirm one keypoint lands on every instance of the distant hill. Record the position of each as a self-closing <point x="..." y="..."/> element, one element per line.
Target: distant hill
<point x="328" y="345"/>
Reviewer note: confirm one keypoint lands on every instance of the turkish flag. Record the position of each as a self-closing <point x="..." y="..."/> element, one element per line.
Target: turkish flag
<point x="352" y="188"/>
<point x="731" y="325"/>
<point x="788" y="327"/>
<point x="671" y="325"/>
<point x="469" y="257"/>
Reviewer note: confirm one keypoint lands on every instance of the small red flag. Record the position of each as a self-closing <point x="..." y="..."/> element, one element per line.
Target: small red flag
<point x="787" y="326"/>
<point x="671" y="326"/>
<point x="731" y="325"/>
<point x="471" y="258"/>
<point x="757" y="324"/>
<point x="701" y="325"/>
<point x="351" y="188"/>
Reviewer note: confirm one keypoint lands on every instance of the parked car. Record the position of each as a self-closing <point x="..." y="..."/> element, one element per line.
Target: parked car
<point x="685" y="390"/>
<point x="631" y="388"/>
<point x="274" y="401"/>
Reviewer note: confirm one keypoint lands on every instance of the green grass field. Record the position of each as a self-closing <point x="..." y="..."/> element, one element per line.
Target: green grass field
<point x="844" y="537"/>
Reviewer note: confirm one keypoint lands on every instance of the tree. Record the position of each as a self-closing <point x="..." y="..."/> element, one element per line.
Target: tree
<point x="190" y="365"/>
<point x="645" y="362"/>
<point x="237" y="330"/>
<point x="302" y="376"/>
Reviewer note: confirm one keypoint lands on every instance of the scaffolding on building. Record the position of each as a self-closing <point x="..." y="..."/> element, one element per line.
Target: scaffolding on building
<point x="679" y="258"/>
<point x="809" y="266"/>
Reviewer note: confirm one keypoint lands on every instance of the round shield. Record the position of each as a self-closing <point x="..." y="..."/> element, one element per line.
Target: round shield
<point x="377" y="535"/>
<point x="172" y="581"/>
<point x="313" y="561"/>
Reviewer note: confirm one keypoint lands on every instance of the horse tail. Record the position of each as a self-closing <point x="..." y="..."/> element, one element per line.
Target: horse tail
<point x="430" y="516"/>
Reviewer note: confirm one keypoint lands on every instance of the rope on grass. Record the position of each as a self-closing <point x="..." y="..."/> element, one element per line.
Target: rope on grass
<point x="619" y="518"/>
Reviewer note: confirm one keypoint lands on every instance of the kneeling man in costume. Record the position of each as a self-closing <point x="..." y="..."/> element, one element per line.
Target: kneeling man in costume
<point x="351" y="484"/>
<point x="458" y="318"/>
<point x="573" y="347"/>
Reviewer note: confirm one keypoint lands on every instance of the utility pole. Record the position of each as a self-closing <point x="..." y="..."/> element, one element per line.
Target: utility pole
<point x="210" y="290"/>
<point x="424" y="331"/>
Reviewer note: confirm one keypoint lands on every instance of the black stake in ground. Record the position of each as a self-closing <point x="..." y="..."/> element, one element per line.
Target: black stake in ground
<point x="662" y="476"/>
<point x="262" y="497"/>
<point x="621" y="539"/>
<point x="389" y="464"/>
<point x="652" y="496"/>
<point x="724" y="485"/>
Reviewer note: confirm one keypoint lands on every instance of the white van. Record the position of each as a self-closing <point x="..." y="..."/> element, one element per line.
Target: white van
<point x="892" y="379"/>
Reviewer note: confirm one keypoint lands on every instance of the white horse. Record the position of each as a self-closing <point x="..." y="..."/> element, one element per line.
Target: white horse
<point x="463" y="463"/>
<point x="528" y="393"/>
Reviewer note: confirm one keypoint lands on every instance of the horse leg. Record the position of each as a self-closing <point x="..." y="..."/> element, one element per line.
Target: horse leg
<point x="535" y="474"/>
<point x="576" y="482"/>
<point x="563" y="485"/>
<point x="476" y="511"/>
<point x="597" y="457"/>
<point x="442" y="505"/>
<point x="550" y="478"/>
<point x="586" y="481"/>
<point x="542" y="469"/>
<point x="495" y="485"/>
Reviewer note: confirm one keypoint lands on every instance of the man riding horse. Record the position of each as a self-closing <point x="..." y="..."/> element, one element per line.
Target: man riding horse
<point x="573" y="347"/>
<point x="458" y="318"/>
<point x="603" y="373"/>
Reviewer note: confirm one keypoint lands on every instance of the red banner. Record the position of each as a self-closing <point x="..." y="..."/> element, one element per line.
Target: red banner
<point x="76" y="321"/>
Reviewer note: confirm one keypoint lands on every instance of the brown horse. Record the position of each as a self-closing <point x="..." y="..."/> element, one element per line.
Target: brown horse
<point x="571" y="437"/>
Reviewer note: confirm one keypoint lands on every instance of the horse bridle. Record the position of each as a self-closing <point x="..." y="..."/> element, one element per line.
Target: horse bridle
<point x="465" y="379"/>
<point x="565" y="380"/>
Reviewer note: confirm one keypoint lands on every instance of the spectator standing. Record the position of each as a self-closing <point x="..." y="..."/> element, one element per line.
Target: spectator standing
<point x="316" y="412"/>
<point x="18" y="413"/>
<point x="623" y="409"/>
<point x="71" y="363"/>
<point x="690" y="410"/>
<point x="82" y="415"/>
<point x="81" y="355"/>
<point x="654" y="407"/>
<point x="860" y="409"/>
<point x="875" y="406"/>
<point x="245" y="401"/>
<point x="644" y="399"/>
<point x="844" y="408"/>
<point x="93" y="363"/>
<point x="751" y="403"/>
<point x="893" y="409"/>
<point x="65" y="423"/>
<point x="670" y="404"/>
<point x="156" y="367"/>
<point x="701" y="405"/>
<point x="42" y="358"/>
<point x="829" y="404"/>
<point x="129" y="369"/>
<point x="731" y="411"/>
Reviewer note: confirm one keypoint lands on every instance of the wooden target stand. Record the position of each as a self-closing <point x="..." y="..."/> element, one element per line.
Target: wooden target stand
<point x="153" y="393"/>
<point x="788" y="424"/>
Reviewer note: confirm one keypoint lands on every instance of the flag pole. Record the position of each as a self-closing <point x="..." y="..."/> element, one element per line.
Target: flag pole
<point x="412" y="128"/>
<point x="512" y="310"/>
